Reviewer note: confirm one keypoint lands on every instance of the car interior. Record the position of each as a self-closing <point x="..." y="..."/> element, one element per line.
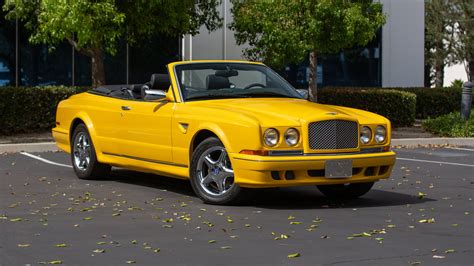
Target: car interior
<point x="135" y="91"/>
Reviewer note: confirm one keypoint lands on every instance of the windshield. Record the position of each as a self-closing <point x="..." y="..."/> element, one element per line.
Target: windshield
<point x="202" y="81"/>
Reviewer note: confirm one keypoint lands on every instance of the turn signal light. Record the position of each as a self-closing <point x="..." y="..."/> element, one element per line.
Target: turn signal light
<point x="386" y="148"/>
<point x="253" y="152"/>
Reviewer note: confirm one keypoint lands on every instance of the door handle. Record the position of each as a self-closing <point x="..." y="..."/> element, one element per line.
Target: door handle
<point x="126" y="108"/>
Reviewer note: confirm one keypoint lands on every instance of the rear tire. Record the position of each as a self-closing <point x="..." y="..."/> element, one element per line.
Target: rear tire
<point x="84" y="158"/>
<point x="212" y="176"/>
<point x="346" y="191"/>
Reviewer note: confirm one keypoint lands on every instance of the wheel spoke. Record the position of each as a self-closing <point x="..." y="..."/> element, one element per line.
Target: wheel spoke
<point x="222" y="157"/>
<point x="209" y="160"/>
<point x="206" y="180"/>
<point x="220" y="181"/>
<point x="84" y="142"/>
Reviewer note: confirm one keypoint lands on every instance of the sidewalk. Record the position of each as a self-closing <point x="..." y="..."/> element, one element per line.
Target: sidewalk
<point x="408" y="137"/>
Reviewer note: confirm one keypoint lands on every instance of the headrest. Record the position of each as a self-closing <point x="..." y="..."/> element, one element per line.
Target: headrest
<point x="214" y="82"/>
<point x="160" y="82"/>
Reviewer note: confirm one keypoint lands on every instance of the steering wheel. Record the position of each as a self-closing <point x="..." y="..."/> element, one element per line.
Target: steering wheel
<point x="254" y="85"/>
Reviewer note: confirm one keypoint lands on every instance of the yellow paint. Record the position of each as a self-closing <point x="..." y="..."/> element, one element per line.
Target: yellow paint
<point x="157" y="136"/>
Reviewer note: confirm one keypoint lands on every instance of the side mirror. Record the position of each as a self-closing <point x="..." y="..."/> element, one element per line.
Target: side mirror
<point x="153" y="95"/>
<point x="303" y="93"/>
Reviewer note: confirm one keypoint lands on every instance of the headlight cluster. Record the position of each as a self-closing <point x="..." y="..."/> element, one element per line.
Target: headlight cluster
<point x="271" y="137"/>
<point x="380" y="134"/>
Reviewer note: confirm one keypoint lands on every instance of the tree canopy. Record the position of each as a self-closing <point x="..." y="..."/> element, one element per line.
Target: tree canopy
<point x="95" y="27"/>
<point x="281" y="32"/>
<point x="449" y="38"/>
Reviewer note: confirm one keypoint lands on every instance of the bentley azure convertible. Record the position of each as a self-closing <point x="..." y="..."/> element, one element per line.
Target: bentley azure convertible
<point x="228" y="127"/>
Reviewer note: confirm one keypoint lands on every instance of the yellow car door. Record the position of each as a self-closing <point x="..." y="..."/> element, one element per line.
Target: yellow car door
<point x="146" y="130"/>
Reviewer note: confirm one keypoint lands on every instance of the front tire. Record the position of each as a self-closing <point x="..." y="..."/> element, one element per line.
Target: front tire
<point x="84" y="158"/>
<point x="212" y="176"/>
<point x="346" y="191"/>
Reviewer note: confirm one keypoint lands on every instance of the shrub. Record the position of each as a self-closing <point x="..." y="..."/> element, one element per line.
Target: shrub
<point x="31" y="109"/>
<point x="451" y="125"/>
<point x="433" y="102"/>
<point x="430" y="102"/>
<point x="398" y="106"/>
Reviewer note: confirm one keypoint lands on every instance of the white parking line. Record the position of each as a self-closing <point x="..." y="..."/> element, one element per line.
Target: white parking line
<point x="44" y="160"/>
<point x="461" y="149"/>
<point x="437" y="162"/>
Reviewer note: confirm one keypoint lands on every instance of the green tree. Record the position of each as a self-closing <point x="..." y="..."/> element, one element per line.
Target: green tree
<point x="281" y="32"/>
<point x="95" y="27"/>
<point x="439" y="38"/>
<point x="464" y="37"/>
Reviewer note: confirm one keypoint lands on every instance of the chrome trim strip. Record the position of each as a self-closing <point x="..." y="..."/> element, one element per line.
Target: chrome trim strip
<point x="144" y="159"/>
<point x="300" y="152"/>
<point x="286" y="153"/>
<point x="299" y="161"/>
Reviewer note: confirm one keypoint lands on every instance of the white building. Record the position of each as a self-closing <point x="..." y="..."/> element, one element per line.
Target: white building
<point x="394" y="59"/>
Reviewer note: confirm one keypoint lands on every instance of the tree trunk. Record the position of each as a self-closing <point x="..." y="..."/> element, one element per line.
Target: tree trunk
<point x="97" y="67"/>
<point x="439" y="75"/>
<point x="313" y="77"/>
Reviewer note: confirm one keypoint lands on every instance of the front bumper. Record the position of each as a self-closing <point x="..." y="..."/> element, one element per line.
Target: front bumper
<point x="272" y="171"/>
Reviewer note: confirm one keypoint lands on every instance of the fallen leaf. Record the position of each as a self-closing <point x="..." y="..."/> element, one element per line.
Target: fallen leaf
<point x="23" y="245"/>
<point x="226" y="247"/>
<point x="212" y="241"/>
<point x="61" y="245"/>
<point x="427" y="221"/>
<point x="55" y="262"/>
<point x="99" y="251"/>
<point x="130" y="262"/>
<point x="293" y="255"/>
<point x="449" y="251"/>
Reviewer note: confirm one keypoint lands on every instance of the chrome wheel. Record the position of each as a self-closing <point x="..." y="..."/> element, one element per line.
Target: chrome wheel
<point x="214" y="171"/>
<point x="82" y="151"/>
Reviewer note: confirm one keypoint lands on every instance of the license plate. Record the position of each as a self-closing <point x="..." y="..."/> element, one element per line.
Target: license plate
<point x="338" y="169"/>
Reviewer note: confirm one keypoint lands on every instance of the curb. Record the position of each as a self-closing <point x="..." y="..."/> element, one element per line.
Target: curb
<point x="408" y="143"/>
<point x="413" y="143"/>
<point x="28" y="147"/>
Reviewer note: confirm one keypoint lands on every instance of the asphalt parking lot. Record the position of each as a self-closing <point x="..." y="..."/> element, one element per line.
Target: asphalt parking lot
<point x="422" y="215"/>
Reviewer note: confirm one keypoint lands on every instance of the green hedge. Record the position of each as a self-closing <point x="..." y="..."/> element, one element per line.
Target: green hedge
<point x="434" y="102"/>
<point x="430" y="102"/>
<point x="31" y="109"/>
<point x="398" y="106"/>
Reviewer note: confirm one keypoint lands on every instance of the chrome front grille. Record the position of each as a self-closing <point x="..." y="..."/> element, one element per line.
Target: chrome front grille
<point x="333" y="135"/>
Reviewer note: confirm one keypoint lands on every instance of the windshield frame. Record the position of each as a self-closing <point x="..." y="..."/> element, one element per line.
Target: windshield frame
<point x="280" y="78"/>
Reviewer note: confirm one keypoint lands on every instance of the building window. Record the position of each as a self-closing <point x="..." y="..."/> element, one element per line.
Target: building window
<point x="356" y="67"/>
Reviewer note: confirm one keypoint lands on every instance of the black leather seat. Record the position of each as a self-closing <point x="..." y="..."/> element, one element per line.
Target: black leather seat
<point x="157" y="82"/>
<point x="214" y="82"/>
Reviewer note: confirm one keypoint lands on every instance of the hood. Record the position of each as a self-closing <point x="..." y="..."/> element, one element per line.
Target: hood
<point x="288" y="112"/>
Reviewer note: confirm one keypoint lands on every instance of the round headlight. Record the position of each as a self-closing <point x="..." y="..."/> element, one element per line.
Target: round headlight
<point x="380" y="134"/>
<point x="270" y="137"/>
<point x="365" y="135"/>
<point x="292" y="137"/>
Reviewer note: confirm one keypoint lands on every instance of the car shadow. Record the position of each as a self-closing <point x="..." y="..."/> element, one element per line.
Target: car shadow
<point x="306" y="197"/>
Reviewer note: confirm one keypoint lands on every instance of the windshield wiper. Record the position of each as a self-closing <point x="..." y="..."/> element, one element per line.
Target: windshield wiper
<point x="214" y="96"/>
<point x="268" y="94"/>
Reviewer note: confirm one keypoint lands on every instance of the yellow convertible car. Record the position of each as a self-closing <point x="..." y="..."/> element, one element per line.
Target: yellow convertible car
<point x="227" y="126"/>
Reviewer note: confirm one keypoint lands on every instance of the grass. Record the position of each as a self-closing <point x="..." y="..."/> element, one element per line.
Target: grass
<point x="451" y="125"/>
